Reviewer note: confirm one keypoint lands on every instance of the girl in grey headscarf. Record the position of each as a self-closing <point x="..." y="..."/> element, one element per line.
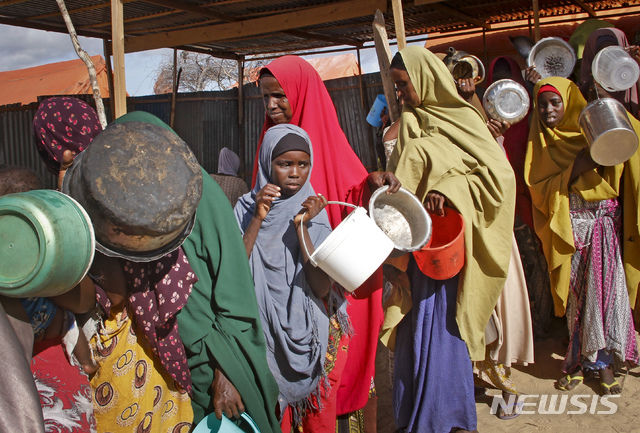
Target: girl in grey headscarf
<point x="290" y="291"/>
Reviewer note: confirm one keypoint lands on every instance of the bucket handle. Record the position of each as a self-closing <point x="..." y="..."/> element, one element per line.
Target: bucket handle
<point x="304" y="243"/>
<point x="250" y="421"/>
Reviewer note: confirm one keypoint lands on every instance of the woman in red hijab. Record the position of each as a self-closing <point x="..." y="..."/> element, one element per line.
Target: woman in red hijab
<point x="294" y="93"/>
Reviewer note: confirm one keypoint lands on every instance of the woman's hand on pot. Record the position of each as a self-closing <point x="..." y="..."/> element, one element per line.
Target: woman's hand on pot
<point x="377" y="179"/>
<point x="466" y="88"/>
<point x="311" y="207"/>
<point x="435" y="203"/>
<point x="226" y="398"/>
<point x="497" y="127"/>
<point x="531" y="75"/>
<point x="264" y="199"/>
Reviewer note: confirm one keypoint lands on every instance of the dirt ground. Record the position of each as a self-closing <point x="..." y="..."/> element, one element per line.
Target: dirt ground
<point x="537" y="378"/>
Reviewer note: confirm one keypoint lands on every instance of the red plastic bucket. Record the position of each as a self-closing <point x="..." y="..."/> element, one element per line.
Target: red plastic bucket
<point x="443" y="257"/>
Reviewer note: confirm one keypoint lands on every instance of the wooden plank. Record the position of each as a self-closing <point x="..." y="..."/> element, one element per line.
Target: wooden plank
<point x="117" y="41"/>
<point x="384" y="61"/>
<point x="585" y="7"/>
<point x="107" y="60"/>
<point x="536" y="20"/>
<point x="276" y="23"/>
<point x="427" y="2"/>
<point x="398" y="21"/>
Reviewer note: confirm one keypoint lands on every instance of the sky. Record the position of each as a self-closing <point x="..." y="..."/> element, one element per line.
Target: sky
<point x="22" y="48"/>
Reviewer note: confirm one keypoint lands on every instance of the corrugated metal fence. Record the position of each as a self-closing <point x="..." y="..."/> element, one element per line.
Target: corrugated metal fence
<point x="208" y="121"/>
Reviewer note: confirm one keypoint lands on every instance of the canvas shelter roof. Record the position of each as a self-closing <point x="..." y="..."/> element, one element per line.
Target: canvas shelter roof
<point x="62" y="78"/>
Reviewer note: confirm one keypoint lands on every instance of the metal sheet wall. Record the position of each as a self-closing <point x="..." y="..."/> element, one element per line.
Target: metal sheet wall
<point x="208" y="121"/>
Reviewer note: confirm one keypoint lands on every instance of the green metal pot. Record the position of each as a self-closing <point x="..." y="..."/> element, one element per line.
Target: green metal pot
<point x="46" y="243"/>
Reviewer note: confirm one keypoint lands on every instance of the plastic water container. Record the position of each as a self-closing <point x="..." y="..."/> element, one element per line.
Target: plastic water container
<point x="211" y="424"/>
<point x="46" y="243"/>
<point x="614" y="69"/>
<point x="353" y="251"/>
<point x="373" y="118"/>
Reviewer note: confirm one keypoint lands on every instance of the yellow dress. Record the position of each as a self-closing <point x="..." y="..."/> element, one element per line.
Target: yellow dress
<point x="131" y="392"/>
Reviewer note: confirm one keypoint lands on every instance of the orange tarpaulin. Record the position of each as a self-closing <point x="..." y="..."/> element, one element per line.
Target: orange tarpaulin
<point x="63" y="78"/>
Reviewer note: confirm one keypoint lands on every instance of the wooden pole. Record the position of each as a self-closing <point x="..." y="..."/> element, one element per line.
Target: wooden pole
<point x="117" y="41"/>
<point x="536" y="20"/>
<point x="87" y="61"/>
<point x="384" y="61"/>
<point x="360" y="83"/>
<point x="241" y="149"/>
<point x="174" y="88"/>
<point x="107" y="59"/>
<point x="398" y="20"/>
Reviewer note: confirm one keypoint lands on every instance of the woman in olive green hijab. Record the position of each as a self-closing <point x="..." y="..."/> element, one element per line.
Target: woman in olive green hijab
<point x="446" y="155"/>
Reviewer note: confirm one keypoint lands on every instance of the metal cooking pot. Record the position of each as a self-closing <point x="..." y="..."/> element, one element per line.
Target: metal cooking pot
<point x="464" y="65"/>
<point x="605" y="123"/>
<point x="140" y="184"/>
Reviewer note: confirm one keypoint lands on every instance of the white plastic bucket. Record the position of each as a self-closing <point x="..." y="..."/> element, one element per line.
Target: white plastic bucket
<point x="614" y="69"/>
<point x="353" y="251"/>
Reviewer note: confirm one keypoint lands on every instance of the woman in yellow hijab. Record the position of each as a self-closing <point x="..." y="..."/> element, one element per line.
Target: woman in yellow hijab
<point x="577" y="216"/>
<point x="446" y="154"/>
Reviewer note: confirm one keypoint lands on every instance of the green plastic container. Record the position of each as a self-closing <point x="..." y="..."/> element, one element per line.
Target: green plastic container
<point x="46" y="243"/>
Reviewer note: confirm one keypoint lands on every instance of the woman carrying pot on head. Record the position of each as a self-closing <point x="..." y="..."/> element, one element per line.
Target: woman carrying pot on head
<point x="294" y="93"/>
<point x="599" y="39"/>
<point x="178" y="333"/>
<point x="446" y="155"/>
<point x="579" y="215"/>
<point x="292" y="294"/>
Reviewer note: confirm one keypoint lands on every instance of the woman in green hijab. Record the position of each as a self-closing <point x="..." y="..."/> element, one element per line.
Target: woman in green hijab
<point x="219" y="325"/>
<point x="446" y="155"/>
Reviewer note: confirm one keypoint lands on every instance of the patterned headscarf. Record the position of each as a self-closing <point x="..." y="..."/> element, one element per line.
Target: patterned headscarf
<point x="63" y="123"/>
<point x="157" y="292"/>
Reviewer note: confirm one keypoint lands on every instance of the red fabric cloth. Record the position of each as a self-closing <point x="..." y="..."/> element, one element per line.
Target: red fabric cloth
<point x="515" y="144"/>
<point x="549" y="88"/>
<point x="65" y="392"/>
<point x="338" y="174"/>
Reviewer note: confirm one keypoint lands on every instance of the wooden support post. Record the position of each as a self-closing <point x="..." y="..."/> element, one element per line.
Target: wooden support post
<point x="536" y="20"/>
<point x="360" y="83"/>
<point x="107" y="59"/>
<point x="384" y="61"/>
<point x="174" y="89"/>
<point x="241" y="147"/>
<point x="117" y="43"/>
<point x="398" y="20"/>
<point x="87" y="61"/>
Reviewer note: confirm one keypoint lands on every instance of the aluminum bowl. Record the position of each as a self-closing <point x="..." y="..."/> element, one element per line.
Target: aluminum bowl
<point x="402" y="217"/>
<point x="552" y="57"/>
<point x="506" y="100"/>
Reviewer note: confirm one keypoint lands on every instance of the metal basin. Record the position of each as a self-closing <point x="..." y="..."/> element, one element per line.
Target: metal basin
<point x="605" y="123"/>
<point x="552" y="57"/>
<point x="506" y="100"/>
<point x="402" y="217"/>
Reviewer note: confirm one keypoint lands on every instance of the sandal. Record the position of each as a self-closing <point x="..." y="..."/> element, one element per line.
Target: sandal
<point x="606" y="387"/>
<point x="514" y="411"/>
<point x="568" y="380"/>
